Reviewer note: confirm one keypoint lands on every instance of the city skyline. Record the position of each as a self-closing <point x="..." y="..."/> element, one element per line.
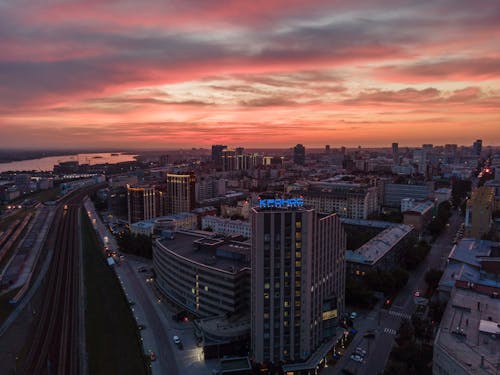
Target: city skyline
<point x="273" y="74"/>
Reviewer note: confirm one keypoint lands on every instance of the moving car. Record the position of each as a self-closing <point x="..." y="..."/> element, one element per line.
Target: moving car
<point x="354" y="315"/>
<point x="152" y="356"/>
<point x="177" y="340"/>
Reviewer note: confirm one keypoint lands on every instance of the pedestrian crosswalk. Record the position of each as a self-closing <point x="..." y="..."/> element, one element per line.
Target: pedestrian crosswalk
<point x="390" y="331"/>
<point x="399" y="314"/>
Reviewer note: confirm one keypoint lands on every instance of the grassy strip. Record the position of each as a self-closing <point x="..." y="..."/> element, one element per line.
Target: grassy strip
<point x="113" y="343"/>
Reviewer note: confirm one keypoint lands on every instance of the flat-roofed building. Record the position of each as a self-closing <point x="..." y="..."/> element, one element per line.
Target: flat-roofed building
<point x="467" y="340"/>
<point x="205" y="275"/>
<point x="394" y="193"/>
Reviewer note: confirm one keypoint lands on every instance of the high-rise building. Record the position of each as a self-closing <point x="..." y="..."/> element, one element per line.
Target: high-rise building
<point x="477" y="147"/>
<point x="299" y="154"/>
<point x="181" y="192"/>
<point x="141" y="203"/>
<point x="298" y="282"/>
<point x="217" y="154"/>
<point x="395" y="152"/>
<point x="327" y="149"/>
<point x="420" y="158"/>
<point x="228" y="160"/>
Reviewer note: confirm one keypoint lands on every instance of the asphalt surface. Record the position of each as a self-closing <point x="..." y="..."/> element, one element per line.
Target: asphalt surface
<point x="386" y="322"/>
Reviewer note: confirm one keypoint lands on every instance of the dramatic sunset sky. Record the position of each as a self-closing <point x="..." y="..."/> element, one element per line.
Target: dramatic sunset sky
<point x="184" y="73"/>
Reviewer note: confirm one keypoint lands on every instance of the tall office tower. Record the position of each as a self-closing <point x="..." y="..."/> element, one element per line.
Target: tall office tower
<point x="299" y="154"/>
<point x="217" y="154"/>
<point x="395" y="153"/>
<point x="239" y="150"/>
<point x="477" y="147"/>
<point x="228" y="160"/>
<point x="181" y="192"/>
<point x="141" y="203"/>
<point x="298" y="281"/>
<point x="327" y="149"/>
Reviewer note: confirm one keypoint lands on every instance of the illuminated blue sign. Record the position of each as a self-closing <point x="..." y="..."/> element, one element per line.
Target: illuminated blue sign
<point x="276" y="203"/>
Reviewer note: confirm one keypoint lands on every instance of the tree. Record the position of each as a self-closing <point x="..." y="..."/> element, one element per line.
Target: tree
<point x="432" y="278"/>
<point x="140" y="245"/>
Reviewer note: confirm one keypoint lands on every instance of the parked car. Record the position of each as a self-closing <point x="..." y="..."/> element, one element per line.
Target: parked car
<point x="152" y="356"/>
<point x="356" y="358"/>
<point x="369" y="334"/>
<point x="177" y="340"/>
<point x="354" y="315"/>
<point x="360" y="351"/>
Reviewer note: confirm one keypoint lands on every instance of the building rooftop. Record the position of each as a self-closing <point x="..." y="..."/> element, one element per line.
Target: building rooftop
<point x="379" y="245"/>
<point x="227" y="256"/>
<point x="469" y="331"/>
<point x="367" y="223"/>
<point x="421" y="208"/>
<point x="145" y="224"/>
<point x="469" y="251"/>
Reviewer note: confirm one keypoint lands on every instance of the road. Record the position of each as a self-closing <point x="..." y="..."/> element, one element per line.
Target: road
<point x="387" y="322"/>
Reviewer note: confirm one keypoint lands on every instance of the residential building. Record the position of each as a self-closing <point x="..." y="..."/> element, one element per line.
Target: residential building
<point x="299" y="154"/>
<point x="383" y="252"/>
<point x="419" y="215"/>
<point x="395" y="153"/>
<point x="217" y="154"/>
<point x="477" y="147"/>
<point x="226" y="227"/>
<point x="181" y="190"/>
<point x="141" y="203"/>
<point x="298" y="283"/>
<point x="347" y="199"/>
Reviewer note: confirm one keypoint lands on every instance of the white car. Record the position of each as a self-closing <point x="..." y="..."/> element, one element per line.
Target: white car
<point x="177" y="340"/>
<point x="360" y="351"/>
<point x="354" y="315"/>
<point x="356" y="358"/>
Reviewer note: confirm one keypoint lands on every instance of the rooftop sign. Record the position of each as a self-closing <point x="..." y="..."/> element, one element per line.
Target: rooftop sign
<point x="278" y="203"/>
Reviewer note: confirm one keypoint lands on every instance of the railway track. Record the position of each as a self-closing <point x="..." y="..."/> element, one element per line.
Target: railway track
<point x="54" y="348"/>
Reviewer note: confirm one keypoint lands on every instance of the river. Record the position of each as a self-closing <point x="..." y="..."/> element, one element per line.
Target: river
<point x="47" y="163"/>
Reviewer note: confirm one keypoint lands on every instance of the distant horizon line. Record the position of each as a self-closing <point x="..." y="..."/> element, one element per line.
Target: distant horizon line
<point x="208" y="148"/>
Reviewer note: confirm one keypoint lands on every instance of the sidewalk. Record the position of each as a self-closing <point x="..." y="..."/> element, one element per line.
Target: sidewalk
<point x="150" y="310"/>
